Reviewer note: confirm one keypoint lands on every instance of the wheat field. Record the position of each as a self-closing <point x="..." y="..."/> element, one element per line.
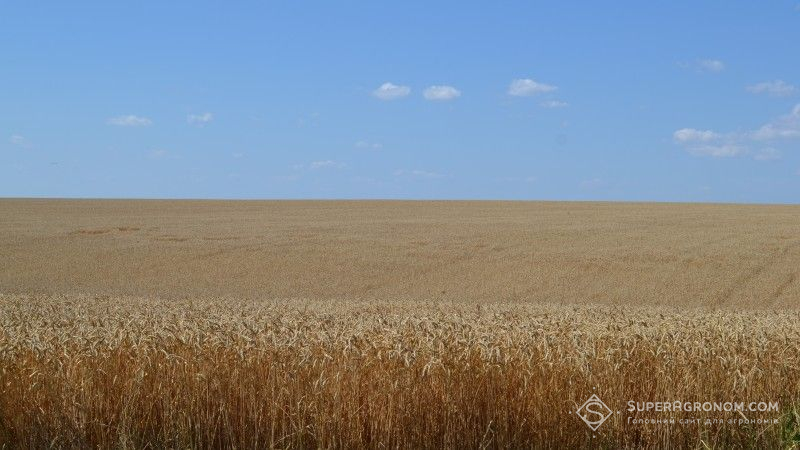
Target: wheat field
<point x="222" y="324"/>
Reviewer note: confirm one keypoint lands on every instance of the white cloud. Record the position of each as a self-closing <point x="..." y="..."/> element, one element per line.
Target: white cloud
<point x="771" y="131"/>
<point x="441" y="93"/>
<point x="704" y="65"/>
<point x="326" y="164"/>
<point x="199" y="119"/>
<point x="389" y="91"/>
<point x="767" y="154"/>
<point x="710" y="143"/>
<point x="417" y="173"/>
<point x="711" y="65"/>
<point x="785" y="127"/>
<point x="692" y="135"/>
<point x="526" y="87"/>
<point x="237" y="155"/>
<point x="18" y="141"/>
<point x="554" y="104"/>
<point x="369" y="145"/>
<point x="130" y="121"/>
<point x="718" y="151"/>
<point x="777" y="88"/>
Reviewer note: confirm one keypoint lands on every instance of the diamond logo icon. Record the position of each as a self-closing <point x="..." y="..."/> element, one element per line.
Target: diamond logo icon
<point x="594" y="412"/>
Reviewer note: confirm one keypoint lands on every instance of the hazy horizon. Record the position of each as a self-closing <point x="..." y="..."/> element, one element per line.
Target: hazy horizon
<point x="399" y="200"/>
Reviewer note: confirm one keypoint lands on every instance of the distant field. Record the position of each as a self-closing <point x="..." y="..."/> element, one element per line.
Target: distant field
<point x="175" y="324"/>
<point x="608" y="253"/>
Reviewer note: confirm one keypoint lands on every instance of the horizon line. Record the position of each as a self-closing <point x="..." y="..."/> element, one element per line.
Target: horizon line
<point x="420" y="200"/>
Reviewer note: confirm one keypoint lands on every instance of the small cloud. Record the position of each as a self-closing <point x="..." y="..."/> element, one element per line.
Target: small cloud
<point x="237" y="155"/>
<point x="710" y="65"/>
<point x="417" y="173"/>
<point x="389" y="91"/>
<point x="704" y="65"/>
<point x="692" y="135"/>
<point x="199" y="119"/>
<point x="707" y="143"/>
<point x="130" y="121"/>
<point x="718" y="151"/>
<point x="785" y="127"/>
<point x="554" y="104"/>
<point x="526" y="87"/>
<point x="773" y="131"/>
<point x="777" y="88"/>
<point x="710" y="143"/>
<point x="19" y="141"/>
<point x="441" y="93"/>
<point x="767" y="154"/>
<point x="369" y="145"/>
<point x="326" y="164"/>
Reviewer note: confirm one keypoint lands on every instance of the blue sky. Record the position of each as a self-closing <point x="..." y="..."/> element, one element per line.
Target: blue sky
<point x="674" y="101"/>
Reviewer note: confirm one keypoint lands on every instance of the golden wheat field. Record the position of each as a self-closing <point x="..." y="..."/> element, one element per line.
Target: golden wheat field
<point x="336" y="324"/>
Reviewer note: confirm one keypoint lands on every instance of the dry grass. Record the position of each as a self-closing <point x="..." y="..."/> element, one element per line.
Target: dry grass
<point x="403" y="324"/>
<point x="129" y="372"/>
